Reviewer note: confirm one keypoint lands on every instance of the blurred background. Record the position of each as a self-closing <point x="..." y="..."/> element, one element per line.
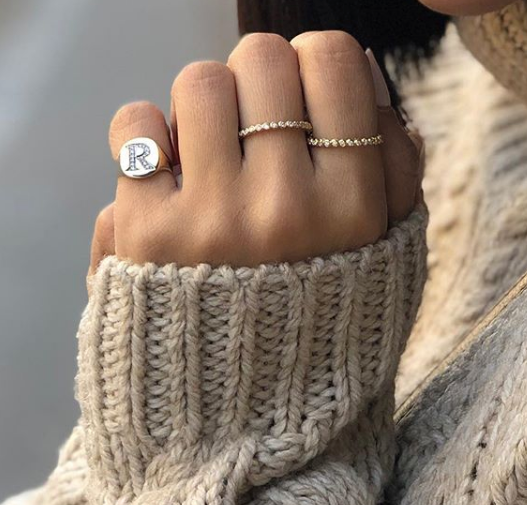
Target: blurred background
<point x="65" y="67"/>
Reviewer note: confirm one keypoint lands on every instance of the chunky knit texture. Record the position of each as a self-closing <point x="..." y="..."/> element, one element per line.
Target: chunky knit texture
<point x="463" y="440"/>
<point x="220" y="386"/>
<point x="476" y="189"/>
<point x="499" y="41"/>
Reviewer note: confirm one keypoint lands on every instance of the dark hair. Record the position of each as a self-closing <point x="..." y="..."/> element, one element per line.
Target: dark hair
<point x="385" y="26"/>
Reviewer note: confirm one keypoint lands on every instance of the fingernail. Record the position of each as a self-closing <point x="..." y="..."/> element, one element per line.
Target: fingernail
<point x="382" y="93"/>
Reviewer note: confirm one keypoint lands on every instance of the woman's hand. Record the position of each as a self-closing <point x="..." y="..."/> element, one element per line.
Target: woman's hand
<point x="270" y="198"/>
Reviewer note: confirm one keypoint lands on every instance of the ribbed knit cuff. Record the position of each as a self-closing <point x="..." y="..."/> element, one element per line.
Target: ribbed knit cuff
<point x="202" y="382"/>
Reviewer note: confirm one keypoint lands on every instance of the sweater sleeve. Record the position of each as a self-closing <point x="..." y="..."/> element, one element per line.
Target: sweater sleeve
<point x="227" y="386"/>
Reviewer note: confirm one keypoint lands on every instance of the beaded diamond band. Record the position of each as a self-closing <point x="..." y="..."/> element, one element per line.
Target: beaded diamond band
<point x="322" y="142"/>
<point x="275" y="125"/>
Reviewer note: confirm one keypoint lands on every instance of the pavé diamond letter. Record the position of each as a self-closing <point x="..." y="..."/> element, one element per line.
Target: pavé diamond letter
<point x="138" y="153"/>
<point x="139" y="158"/>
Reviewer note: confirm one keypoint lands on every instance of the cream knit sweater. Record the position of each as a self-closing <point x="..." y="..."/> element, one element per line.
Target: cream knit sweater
<point x="202" y="386"/>
<point x="476" y="190"/>
<point x="463" y="439"/>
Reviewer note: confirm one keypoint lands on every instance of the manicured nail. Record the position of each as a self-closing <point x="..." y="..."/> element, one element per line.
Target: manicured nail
<point x="381" y="88"/>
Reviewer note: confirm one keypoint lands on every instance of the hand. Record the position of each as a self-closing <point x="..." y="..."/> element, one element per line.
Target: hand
<point x="270" y="198"/>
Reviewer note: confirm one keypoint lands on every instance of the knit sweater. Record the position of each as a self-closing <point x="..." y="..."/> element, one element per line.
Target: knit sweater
<point x="462" y="435"/>
<point x="463" y="438"/>
<point x="476" y="190"/>
<point x="242" y="386"/>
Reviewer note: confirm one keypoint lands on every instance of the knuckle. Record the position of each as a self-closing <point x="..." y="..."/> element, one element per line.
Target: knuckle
<point x="131" y="117"/>
<point x="370" y="224"/>
<point x="212" y="233"/>
<point x="357" y="223"/>
<point x="337" y="45"/>
<point x="213" y="239"/>
<point x="335" y="41"/>
<point x="282" y="219"/>
<point x="208" y="244"/>
<point x="202" y="76"/>
<point x="147" y="241"/>
<point x="268" y="47"/>
<point x="133" y="112"/>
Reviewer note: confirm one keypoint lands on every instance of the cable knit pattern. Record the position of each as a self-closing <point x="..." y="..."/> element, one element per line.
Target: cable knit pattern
<point x="221" y="386"/>
<point x="476" y="190"/>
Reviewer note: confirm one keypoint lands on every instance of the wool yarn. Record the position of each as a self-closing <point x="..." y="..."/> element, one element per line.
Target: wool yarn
<point x="233" y="386"/>
<point x="461" y="434"/>
<point x="476" y="190"/>
<point x="499" y="41"/>
<point x="463" y="439"/>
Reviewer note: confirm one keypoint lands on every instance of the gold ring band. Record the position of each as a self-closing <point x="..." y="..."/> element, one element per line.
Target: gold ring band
<point x="354" y="142"/>
<point x="141" y="158"/>
<point x="275" y="125"/>
<point x="162" y="168"/>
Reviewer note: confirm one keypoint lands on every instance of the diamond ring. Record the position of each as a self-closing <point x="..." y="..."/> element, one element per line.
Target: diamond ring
<point x="275" y="125"/>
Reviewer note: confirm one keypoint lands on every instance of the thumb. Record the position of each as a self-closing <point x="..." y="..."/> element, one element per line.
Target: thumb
<point x="103" y="242"/>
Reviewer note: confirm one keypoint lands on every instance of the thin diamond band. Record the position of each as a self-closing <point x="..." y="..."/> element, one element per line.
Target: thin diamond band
<point x="356" y="142"/>
<point x="275" y="125"/>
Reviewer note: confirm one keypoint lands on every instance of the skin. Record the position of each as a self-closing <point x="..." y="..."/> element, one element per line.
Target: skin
<point x="277" y="200"/>
<point x="243" y="208"/>
<point x="466" y="7"/>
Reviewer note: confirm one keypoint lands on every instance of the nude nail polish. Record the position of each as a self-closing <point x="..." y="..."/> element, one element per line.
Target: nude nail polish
<point x="382" y="93"/>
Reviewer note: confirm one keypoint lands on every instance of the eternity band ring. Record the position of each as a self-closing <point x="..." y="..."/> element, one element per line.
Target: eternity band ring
<point x="311" y="140"/>
<point x="275" y="125"/>
<point x="376" y="140"/>
<point x="141" y="157"/>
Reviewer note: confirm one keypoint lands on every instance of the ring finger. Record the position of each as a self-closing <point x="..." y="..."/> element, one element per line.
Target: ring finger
<point x="340" y="99"/>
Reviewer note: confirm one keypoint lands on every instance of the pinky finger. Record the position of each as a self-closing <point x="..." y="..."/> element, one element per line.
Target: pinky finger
<point x="402" y="159"/>
<point x="402" y="152"/>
